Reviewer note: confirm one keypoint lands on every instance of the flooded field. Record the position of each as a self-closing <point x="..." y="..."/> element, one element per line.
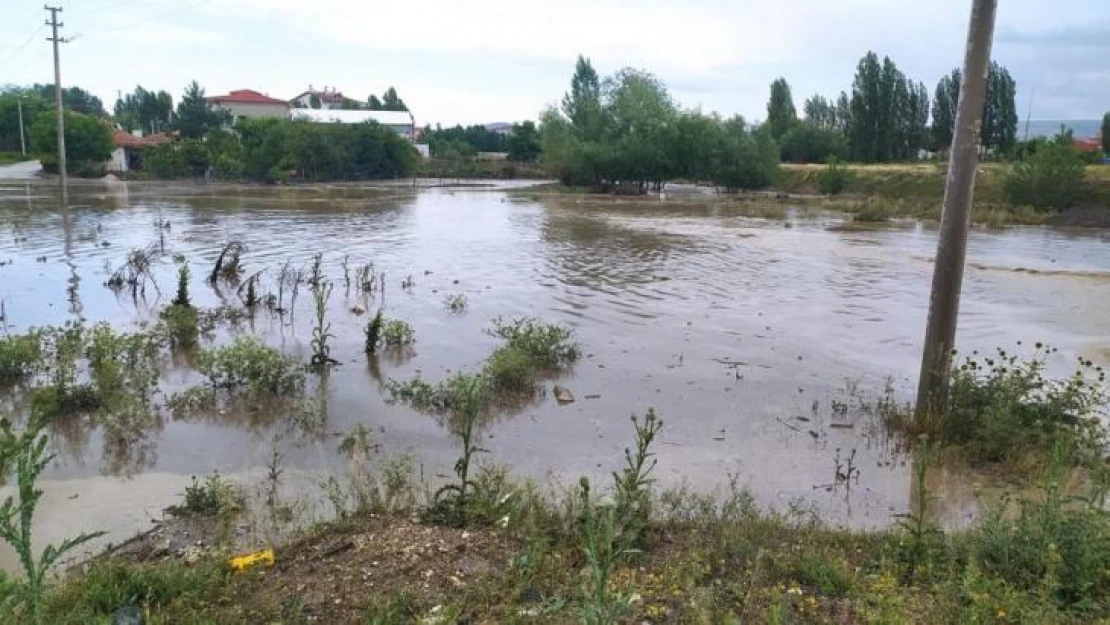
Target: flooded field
<point x="760" y="342"/>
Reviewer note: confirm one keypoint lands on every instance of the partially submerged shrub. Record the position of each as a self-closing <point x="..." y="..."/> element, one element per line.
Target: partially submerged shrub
<point x="872" y="212"/>
<point x="397" y="333"/>
<point x="248" y="363"/>
<point x="455" y="302"/>
<point x="1004" y="409"/>
<point x="182" y="297"/>
<point x="181" y="325"/>
<point x="374" y="332"/>
<point x="548" y="345"/>
<point x="512" y="369"/>
<point x="18" y="356"/>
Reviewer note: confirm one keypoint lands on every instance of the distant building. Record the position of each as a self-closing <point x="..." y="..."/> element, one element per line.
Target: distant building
<point x="248" y="103"/>
<point x="329" y="99"/>
<point x="1092" y="144"/>
<point x="129" y="147"/>
<point x="399" y="121"/>
<point x="501" y="128"/>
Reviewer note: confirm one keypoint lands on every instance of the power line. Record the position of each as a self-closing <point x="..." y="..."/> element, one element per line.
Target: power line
<point x="21" y="46"/>
<point x="141" y="22"/>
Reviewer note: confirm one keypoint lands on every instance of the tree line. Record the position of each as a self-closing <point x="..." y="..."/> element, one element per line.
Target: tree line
<point x="886" y="116"/>
<point x="627" y="134"/>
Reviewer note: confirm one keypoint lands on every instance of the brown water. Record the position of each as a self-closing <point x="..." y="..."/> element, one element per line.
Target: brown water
<point x="741" y="332"/>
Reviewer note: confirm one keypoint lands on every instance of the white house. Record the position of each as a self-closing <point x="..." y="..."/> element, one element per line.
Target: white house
<point x="327" y="99"/>
<point x="400" y="121"/>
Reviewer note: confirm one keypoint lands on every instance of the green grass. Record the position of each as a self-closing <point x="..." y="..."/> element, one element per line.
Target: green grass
<point x="10" y="158"/>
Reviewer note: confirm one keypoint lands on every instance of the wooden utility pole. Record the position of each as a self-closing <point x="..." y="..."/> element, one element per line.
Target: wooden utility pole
<point x="948" y="271"/>
<point x="55" y="25"/>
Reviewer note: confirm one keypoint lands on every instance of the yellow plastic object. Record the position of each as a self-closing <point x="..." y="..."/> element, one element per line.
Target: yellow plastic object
<point x="251" y="560"/>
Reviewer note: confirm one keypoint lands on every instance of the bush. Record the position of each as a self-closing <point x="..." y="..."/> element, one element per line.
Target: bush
<point x="250" y="364"/>
<point x="1003" y="409"/>
<point x="1052" y="178"/>
<point x="397" y="333"/>
<point x="18" y="355"/>
<point x="833" y="178"/>
<point x="548" y="346"/>
<point x="181" y="325"/>
<point x="1052" y="548"/>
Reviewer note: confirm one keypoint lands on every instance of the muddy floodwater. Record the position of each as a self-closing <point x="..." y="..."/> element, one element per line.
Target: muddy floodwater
<point x="747" y="335"/>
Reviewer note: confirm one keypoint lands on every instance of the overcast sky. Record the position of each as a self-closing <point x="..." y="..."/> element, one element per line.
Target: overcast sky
<point x="476" y="61"/>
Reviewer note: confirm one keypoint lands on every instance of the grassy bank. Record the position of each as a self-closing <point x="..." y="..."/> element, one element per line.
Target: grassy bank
<point x="923" y="184"/>
<point x="631" y="555"/>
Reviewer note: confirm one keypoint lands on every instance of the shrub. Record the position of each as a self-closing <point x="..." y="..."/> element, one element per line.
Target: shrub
<point x="215" y="496"/>
<point x="1051" y="178"/>
<point x="374" y="332"/>
<point x="249" y="364"/>
<point x="397" y="333"/>
<point x="834" y="178"/>
<point x="1004" y="409"/>
<point x="1052" y="547"/>
<point x="511" y="369"/>
<point x="181" y="325"/>
<point x="548" y="346"/>
<point x="18" y="355"/>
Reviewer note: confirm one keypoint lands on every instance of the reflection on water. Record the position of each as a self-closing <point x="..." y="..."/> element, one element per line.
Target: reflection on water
<point x="741" y="332"/>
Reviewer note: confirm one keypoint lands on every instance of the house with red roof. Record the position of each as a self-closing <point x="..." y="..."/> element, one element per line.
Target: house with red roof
<point x="249" y="103"/>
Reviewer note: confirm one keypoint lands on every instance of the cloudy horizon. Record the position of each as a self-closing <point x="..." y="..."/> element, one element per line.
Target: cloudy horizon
<point x="495" y="60"/>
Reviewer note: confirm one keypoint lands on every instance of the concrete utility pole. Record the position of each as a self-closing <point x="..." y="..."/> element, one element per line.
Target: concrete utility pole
<point x="22" y="137"/>
<point x="948" y="271"/>
<point x="55" y="25"/>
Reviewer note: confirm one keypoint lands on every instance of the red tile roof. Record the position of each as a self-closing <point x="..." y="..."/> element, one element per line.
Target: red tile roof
<point x="246" y="96"/>
<point x="1093" y="144"/>
<point x="127" y="140"/>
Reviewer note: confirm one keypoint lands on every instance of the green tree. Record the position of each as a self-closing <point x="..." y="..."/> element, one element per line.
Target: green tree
<point x="888" y="113"/>
<point x="781" y="115"/>
<point x="821" y="112"/>
<point x="373" y="103"/>
<point x="524" y="143"/>
<point x="146" y="110"/>
<point x="582" y="104"/>
<point x="392" y="102"/>
<point x="1106" y="134"/>
<point x="195" y="116"/>
<point x="998" y="130"/>
<point x="33" y="105"/>
<point x="73" y="99"/>
<point x="945" y="97"/>
<point x="807" y="142"/>
<point x="744" y="159"/>
<point x="88" y="138"/>
<point x="1051" y="178"/>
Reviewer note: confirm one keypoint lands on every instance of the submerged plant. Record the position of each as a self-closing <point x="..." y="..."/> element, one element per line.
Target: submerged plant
<point x="455" y="302"/>
<point x="549" y="346"/>
<point x="227" y="263"/>
<point x="250" y="299"/>
<point x="321" y="352"/>
<point x="248" y="364"/>
<point x="136" y="271"/>
<point x="316" y="272"/>
<point x="26" y="452"/>
<point x="182" y="297"/>
<point x="397" y="333"/>
<point x="374" y="332"/>
<point x="19" y="355"/>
